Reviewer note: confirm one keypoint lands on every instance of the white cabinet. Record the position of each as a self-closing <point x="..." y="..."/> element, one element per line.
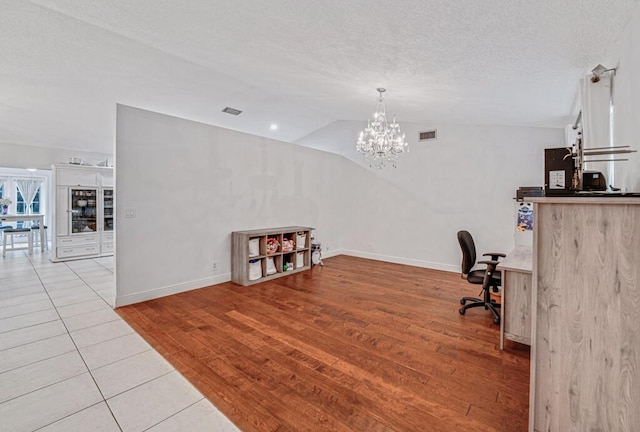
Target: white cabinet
<point x="108" y="219"/>
<point x="61" y="224"/>
<point x="107" y="178"/>
<point x="80" y="177"/>
<point x="84" y="212"/>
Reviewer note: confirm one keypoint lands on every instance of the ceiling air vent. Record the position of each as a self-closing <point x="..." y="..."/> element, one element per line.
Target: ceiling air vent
<point x="428" y="135"/>
<point x="231" y="111"/>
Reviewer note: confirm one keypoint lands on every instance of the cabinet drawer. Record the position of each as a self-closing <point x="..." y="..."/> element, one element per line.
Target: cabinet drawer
<point x="107" y="237"/>
<point x="64" y="252"/>
<point x="77" y="240"/>
<point x="107" y="248"/>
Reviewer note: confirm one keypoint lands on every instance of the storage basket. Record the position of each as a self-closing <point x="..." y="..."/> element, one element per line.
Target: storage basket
<point x="271" y="266"/>
<point x="301" y="240"/>
<point x="255" y="270"/>
<point x="254" y="247"/>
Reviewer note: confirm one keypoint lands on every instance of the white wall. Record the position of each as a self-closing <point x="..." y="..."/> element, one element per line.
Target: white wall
<point x="192" y="184"/>
<point x="627" y="102"/>
<point x="26" y="156"/>
<point x="466" y="179"/>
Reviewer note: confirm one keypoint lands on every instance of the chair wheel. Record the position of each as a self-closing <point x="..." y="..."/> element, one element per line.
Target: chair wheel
<point x="486" y="307"/>
<point x="462" y="311"/>
<point x="463" y="302"/>
<point x="496" y="320"/>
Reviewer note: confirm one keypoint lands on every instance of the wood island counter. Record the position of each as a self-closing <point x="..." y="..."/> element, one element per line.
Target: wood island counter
<point x="585" y="353"/>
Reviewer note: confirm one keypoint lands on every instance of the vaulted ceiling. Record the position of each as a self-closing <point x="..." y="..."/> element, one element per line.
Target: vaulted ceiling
<point x="64" y="64"/>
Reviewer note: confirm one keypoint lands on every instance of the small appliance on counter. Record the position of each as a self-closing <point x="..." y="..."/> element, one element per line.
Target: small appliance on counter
<point x="559" y="172"/>
<point x="564" y="173"/>
<point x="529" y="191"/>
<point x="593" y="181"/>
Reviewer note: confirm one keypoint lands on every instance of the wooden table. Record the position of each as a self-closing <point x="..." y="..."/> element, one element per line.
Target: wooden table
<point x="25" y="217"/>
<point x="516" y="270"/>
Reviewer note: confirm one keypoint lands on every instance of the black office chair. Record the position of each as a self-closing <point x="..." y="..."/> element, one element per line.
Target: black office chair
<point x="488" y="277"/>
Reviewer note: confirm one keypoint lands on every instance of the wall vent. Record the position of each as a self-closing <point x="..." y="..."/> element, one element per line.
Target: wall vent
<point x="428" y="135"/>
<point x="231" y="111"/>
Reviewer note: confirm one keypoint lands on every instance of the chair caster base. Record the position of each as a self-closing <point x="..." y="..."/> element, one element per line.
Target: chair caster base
<point x="493" y="307"/>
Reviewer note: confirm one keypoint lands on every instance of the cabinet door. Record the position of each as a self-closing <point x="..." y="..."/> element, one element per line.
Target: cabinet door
<point x="62" y="211"/>
<point x="517" y="312"/>
<point x="107" y="209"/>
<point x="84" y="210"/>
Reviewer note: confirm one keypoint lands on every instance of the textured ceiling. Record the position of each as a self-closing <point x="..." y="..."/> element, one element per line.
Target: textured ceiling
<point x="303" y="64"/>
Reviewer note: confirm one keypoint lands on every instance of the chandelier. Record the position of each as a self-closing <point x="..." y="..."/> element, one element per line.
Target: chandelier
<point x="381" y="142"/>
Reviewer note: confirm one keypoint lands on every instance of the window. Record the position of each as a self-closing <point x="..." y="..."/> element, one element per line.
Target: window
<point x="21" y="189"/>
<point x="35" y="205"/>
<point x="19" y="203"/>
<point x="21" y="206"/>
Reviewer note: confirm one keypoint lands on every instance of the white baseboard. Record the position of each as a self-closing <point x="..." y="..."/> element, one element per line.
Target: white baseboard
<point x="201" y="283"/>
<point x="329" y="254"/>
<point x="170" y="289"/>
<point x="399" y="260"/>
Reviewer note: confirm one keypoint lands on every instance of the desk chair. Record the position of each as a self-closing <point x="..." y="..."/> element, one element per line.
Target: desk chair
<point x="488" y="277"/>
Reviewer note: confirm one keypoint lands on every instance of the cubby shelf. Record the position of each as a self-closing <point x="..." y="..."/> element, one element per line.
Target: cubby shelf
<point x="241" y="259"/>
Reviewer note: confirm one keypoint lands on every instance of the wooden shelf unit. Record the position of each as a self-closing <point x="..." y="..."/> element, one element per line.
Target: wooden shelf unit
<point x="241" y="260"/>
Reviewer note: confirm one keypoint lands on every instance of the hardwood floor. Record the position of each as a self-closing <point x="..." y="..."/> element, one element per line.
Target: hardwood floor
<point x="356" y="345"/>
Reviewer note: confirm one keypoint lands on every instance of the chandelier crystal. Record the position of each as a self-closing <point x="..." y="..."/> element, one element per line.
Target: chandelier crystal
<point x="381" y="142"/>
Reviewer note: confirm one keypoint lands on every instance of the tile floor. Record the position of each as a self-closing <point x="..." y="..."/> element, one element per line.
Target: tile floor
<point x="68" y="362"/>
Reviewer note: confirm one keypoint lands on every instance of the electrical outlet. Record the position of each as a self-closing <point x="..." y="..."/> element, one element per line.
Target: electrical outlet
<point x="130" y="213"/>
<point x="214" y="266"/>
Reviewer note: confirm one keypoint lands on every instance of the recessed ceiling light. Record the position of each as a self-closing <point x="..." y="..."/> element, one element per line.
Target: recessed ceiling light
<point x="32" y="169"/>
<point x="273" y="127"/>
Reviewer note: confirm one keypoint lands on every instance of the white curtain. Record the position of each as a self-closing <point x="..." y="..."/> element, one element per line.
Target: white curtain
<point x="597" y="118"/>
<point x="596" y="111"/>
<point x="3" y="180"/>
<point x="28" y="188"/>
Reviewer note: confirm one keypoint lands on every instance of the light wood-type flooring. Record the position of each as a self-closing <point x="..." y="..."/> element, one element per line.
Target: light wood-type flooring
<point x="356" y="345"/>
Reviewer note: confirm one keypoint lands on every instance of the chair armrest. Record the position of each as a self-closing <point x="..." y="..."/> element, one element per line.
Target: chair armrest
<point x="494" y="255"/>
<point x="490" y="263"/>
